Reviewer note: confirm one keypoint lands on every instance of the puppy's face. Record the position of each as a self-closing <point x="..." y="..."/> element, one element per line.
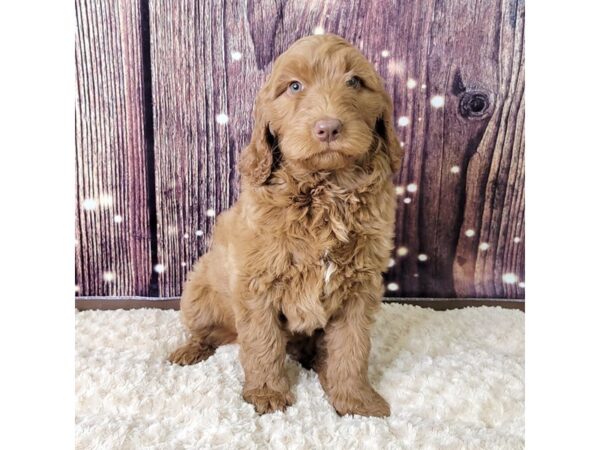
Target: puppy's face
<point x="323" y="106"/>
<point x="325" y="99"/>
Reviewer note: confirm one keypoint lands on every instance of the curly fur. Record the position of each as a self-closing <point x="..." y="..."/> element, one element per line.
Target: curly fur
<point x="295" y="265"/>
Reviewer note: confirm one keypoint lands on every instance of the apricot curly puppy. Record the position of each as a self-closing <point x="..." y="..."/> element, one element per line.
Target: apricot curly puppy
<point x="295" y="265"/>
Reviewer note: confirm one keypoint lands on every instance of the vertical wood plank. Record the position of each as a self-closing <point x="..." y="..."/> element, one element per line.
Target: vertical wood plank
<point x="190" y="156"/>
<point x="494" y="206"/>
<point x="455" y="160"/>
<point x="113" y="255"/>
<point x="461" y="188"/>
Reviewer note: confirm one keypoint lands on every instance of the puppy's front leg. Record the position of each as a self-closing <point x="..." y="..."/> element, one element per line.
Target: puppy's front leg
<point x="262" y="353"/>
<point x="343" y="364"/>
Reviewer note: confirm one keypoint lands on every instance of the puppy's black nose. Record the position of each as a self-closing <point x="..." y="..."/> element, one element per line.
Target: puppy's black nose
<point x="327" y="130"/>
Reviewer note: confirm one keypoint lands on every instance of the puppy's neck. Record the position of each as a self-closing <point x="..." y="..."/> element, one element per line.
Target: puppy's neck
<point x="298" y="175"/>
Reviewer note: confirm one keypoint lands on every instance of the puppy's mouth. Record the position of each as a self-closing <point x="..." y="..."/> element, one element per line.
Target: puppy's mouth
<point x="334" y="148"/>
<point x="341" y="146"/>
<point x="328" y="159"/>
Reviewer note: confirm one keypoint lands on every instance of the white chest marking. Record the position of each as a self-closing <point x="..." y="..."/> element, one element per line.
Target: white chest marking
<point x="329" y="271"/>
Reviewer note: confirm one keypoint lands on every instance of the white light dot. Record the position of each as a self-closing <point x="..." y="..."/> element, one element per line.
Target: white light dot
<point x="106" y="200"/>
<point x="510" y="278"/>
<point x="423" y="86"/>
<point x="319" y="30"/>
<point x="484" y="246"/>
<point x="385" y="53"/>
<point x="416" y="275"/>
<point x="76" y="288"/>
<point x="199" y="233"/>
<point x="412" y="187"/>
<point x="517" y="240"/>
<point x="470" y="233"/>
<point x="186" y="236"/>
<point x="402" y="144"/>
<point x="393" y="287"/>
<point x="89" y="204"/>
<point x="183" y="264"/>
<point x="403" y="121"/>
<point x="437" y="101"/>
<point x="407" y="200"/>
<point x="391" y="262"/>
<point x="395" y="67"/>
<point x="222" y="118"/>
<point x="455" y="169"/>
<point x="422" y="257"/>
<point x="411" y="83"/>
<point x="402" y="251"/>
<point x="210" y="212"/>
<point x="236" y="56"/>
<point x="399" y="190"/>
<point x="521" y="284"/>
<point x="118" y="218"/>
<point x="159" y="268"/>
<point x="419" y="119"/>
<point x="108" y="276"/>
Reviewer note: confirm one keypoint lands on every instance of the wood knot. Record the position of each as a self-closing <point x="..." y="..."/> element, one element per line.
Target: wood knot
<point x="475" y="104"/>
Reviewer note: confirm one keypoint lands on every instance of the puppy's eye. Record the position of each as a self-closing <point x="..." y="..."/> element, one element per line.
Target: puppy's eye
<point x="354" y="82"/>
<point x="295" y="87"/>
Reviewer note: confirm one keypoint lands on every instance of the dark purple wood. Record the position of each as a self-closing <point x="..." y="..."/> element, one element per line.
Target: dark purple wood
<point x="465" y="158"/>
<point x="112" y="255"/>
<point x="460" y="221"/>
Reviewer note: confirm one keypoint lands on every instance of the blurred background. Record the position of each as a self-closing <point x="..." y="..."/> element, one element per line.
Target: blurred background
<point x="165" y="91"/>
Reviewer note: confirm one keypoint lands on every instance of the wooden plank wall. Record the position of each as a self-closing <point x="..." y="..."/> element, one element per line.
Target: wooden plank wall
<point x="460" y="230"/>
<point x="113" y="242"/>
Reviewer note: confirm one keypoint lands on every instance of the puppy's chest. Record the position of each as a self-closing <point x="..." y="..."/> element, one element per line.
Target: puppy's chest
<point x="325" y="247"/>
<point x="326" y="227"/>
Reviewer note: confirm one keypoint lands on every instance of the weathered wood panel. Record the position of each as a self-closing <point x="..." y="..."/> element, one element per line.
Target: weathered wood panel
<point x="460" y="219"/>
<point x="461" y="187"/>
<point x="113" y="251"/>
<point x="194" y="165"/>
<point x="462" y="158"/>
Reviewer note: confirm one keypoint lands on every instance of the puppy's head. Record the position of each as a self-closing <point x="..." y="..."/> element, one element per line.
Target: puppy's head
<point x="322" y="108"/>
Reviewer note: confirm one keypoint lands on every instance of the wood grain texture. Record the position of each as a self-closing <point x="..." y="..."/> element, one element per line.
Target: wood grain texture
<point x="194" y="164"/>
<point x="464" y="165"/>
<point x="463" y="158"/>
<point x="460" y="222"/>
<point x="110" y="151"/>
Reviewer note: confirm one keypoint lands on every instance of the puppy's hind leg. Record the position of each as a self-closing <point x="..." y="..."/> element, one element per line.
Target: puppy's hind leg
<point x="201" y="345"/>
<point x="205" y="314"/>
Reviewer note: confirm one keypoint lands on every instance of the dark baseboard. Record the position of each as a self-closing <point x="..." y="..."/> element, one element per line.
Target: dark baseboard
<point x="439" y="304"/>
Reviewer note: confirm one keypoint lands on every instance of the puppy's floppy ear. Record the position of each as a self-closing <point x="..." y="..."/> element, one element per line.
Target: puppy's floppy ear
<point x="256" y="160"/>
<point x="385" y="129"/>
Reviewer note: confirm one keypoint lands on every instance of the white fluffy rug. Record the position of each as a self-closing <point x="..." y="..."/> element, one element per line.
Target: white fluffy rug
<point x="454" y="380"/>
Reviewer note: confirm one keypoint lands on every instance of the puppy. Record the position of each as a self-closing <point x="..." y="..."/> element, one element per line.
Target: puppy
<point x="295" y="265"/>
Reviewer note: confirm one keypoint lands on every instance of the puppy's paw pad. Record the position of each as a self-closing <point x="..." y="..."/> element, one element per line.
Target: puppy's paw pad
<point x="267" y="400"/>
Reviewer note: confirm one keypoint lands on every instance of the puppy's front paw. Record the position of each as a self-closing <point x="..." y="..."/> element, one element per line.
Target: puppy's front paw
<point x="267" y="400"/>
<point x="364" y="402"/>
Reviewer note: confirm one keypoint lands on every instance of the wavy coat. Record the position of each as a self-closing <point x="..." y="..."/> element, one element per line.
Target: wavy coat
<point x="295" y="265"/>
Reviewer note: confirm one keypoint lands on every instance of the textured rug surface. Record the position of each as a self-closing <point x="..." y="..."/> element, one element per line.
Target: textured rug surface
<point x="454" y="380"/>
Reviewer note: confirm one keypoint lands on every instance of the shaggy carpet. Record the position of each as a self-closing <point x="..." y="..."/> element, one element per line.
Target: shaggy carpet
<point x="454" y="380"/>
